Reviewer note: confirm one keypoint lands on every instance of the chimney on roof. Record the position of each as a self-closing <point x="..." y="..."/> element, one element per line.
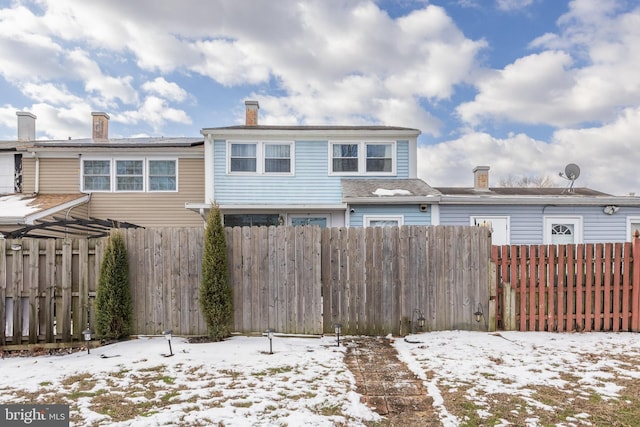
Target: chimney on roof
<point x="100" y="126"/>
<point x="481" y="178"/>
<point x="252" y="113"/>
<point x="26" y="126"/>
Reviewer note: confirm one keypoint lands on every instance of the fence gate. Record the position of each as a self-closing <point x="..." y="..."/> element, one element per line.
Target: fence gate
<point x="382" y="280"/>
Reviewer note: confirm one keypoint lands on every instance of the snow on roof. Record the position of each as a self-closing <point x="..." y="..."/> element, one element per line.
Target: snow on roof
<point x="396" y="192"/>
<point x="17" y="205"/>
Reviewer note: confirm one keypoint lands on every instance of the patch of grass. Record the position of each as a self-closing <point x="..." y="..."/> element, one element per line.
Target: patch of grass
<point x="242" y="404"/>
<point x="45" y="383"/>
<point x="170" y="395"/>
<point x="167" y="380"/>
<point x="327" y="410"/>
<point x="158" y="368"/>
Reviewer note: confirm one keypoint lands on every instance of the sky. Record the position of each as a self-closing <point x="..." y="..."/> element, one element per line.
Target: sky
<point x="550" y="379"/>
<point x="523" y="86"/>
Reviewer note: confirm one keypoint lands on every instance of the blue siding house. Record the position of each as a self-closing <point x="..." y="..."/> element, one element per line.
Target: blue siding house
<point x="539" y="215"/>
<point x="330" y="176"/>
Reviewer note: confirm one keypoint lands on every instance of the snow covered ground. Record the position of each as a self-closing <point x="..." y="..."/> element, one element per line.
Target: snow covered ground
<point x="474" y="378"/>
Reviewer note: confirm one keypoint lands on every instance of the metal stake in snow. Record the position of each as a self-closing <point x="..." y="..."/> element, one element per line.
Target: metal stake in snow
<point x="167" y="335"/>
<point x="338" y="329"/>
<point x="87" y="337"/>
<point x="270" y="333"/>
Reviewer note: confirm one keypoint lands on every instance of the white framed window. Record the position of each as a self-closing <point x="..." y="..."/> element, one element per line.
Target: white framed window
<point x="498" y="224"/>
<point x="129" y="174"/>
<point x="383" y="220"/>
<point x="269" y="158"/>
<point x="96" y="175"/>
<point x="633" y="225"/>
<point x="561" y="230"/>
<point x="362" y="158"/>
<point x="163" y="175"/>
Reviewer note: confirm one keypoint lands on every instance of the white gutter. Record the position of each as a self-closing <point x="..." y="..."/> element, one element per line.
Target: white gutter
<point x="537" y="200"/>
<point x="263" y="207"/>
<point x="29" y="219"/>
<point x="387" y="200"/>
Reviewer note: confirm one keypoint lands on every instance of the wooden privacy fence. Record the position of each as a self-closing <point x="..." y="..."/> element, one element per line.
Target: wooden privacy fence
<point x="46" y="288"/>
<point x="584" y="287"/>
<point x="292" y="279"/>
<point x="381" y="280"/>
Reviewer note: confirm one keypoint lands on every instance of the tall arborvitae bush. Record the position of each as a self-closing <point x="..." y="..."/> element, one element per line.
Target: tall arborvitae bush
<point x="113" y="298"/>
<point x="216" y="298"/>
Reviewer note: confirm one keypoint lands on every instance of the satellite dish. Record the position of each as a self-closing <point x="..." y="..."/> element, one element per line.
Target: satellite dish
<point x="572" y="171"/>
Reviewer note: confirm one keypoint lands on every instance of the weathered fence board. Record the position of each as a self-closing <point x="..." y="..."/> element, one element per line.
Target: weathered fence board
<point x="585" y="287"/>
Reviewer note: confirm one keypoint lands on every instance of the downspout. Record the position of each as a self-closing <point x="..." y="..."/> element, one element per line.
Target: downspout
<point x="66" y="216"/>
<point x="36" y="185"/>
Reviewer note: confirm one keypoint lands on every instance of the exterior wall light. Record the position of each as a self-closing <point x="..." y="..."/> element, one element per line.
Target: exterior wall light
<point x="87" y="338"/>
<point x="479" y="314"/>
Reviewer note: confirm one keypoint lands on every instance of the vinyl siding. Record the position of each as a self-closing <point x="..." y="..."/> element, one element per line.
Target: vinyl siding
<point x="310" y="184"/>
<point x="57" y="176"/>
<point x="411" y="213"/>
<point x="526" y="222"/>
<point x="156" y="209"/>
<point x="402" y="165"/>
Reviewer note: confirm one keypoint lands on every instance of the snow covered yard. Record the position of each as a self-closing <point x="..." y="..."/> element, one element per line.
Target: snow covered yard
<point x="529" y="378"/>
<point x="231" y="383"/>
<point x="506" y="378"/>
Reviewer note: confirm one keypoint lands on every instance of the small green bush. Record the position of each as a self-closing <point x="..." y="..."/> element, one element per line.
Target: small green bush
<point x="216" y="298"/>
<point x="113" y="298"/>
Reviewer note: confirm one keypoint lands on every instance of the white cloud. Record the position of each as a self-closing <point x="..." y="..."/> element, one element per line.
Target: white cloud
<point x="155" y="112"/>
<point x="603" y="154"/>
<point x="318" y="50"/>
<point x="509" y="5"/>
<point x="584" y="74"/>
<point x="169" y="90"/>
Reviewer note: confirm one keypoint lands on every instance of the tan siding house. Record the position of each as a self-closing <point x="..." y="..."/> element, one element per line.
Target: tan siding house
<point x="141" y="181"/>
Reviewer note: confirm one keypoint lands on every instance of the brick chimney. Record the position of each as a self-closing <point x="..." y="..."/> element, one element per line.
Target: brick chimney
<point x="252" y="113"/>
<point x="26" y="126"/>
<point x="100" y="126"/>
<point x="481" y="178"/>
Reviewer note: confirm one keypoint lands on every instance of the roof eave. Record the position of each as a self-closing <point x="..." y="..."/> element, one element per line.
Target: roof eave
<point x="29" y="219"/>
<point x="391" y="200"/>
<point x="545" y="200"/>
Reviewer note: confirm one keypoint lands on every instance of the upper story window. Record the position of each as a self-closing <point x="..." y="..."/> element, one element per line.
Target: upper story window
<point x="243" y="158"/>
<point x="96" y="175"/>
<point x="260" y="157"/>
<point x="363" y="158"/>
<point x="345" y="158"/>
<point x="129" y="175"/>
<point x="162" y="175"/>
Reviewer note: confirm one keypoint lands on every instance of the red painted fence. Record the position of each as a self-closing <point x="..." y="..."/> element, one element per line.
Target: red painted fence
<point x="585" y="287"/>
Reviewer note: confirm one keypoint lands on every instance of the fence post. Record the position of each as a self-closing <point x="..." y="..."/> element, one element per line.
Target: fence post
<point x="635" y="286"/>
<point x="508" y="307"/>
<point x="492" y="296"/>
